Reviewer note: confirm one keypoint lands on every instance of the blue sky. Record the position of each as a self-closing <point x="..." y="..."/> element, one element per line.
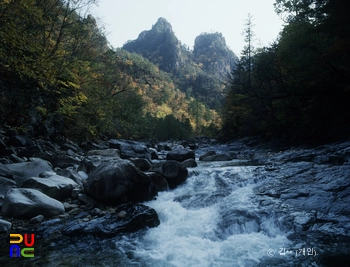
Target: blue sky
<point x="123" y="20"/>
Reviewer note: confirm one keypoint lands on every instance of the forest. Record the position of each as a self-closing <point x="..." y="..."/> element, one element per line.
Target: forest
<point x="59" y="76"/>
<point x="299" y="87"/>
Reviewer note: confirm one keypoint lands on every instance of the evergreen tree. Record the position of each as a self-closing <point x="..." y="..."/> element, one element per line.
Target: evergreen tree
<point x="248" y="50"/>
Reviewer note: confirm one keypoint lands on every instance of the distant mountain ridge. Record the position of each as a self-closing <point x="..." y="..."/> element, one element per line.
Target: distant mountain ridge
<point x="199" y="73"/>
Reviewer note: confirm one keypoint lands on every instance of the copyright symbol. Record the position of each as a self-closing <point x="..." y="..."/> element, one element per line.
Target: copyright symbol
<point x="270" y="252"/>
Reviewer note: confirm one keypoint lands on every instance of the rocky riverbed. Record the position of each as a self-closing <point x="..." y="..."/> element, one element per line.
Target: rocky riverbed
<point x="113" y="203"/>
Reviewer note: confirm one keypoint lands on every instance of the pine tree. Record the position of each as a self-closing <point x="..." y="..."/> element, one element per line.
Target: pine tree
<point x="248" y="50"/>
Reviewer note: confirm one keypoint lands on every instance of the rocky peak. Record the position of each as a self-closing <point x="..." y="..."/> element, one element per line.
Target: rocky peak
<point x="210" y="40"/>
<point x="159" y="45"/>
<point x="162" y="25"/>
<point x="211" y="51"/>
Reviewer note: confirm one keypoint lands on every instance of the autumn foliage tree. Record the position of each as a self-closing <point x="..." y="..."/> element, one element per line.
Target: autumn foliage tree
<point x="58" y="76"/>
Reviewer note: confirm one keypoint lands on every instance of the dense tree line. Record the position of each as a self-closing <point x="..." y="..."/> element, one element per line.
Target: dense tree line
<point x="299" y="86"/>
<point x="58" y="76"/>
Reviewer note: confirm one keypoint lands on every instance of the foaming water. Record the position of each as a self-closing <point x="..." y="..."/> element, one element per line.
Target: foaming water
<point x="211" y="220"/>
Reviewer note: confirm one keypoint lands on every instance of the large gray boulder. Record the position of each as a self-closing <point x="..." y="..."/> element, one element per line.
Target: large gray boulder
<point x="118" y="181"/>
<point x="180" y="154"/>
<point x="28" y="203"/>
<point x="56" y="186"/>
<point x="29" y="169"/>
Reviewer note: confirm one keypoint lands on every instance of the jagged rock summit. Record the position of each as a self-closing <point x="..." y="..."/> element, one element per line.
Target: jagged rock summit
<point x="159" y="45"/>
<point x="211" y="51"/>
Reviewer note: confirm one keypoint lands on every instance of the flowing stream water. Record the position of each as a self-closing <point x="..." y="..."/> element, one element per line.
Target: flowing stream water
<point x="214" y="219"/>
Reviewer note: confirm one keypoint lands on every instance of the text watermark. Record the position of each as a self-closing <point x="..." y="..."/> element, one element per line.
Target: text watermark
<point x="295" y="252"/>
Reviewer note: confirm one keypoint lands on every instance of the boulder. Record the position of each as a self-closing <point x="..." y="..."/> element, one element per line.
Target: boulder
<point x="15" y="159"/>
<point x="47" y="174"/>
<point x="189" y="163"/>
<point x="29" y="169"/>
<point x="70" y="173"/>
<point x="5" y="172"/>
<point x="180" y="154"/>
<point x="114" y="153"/>
<point x="164" y="146"/>
<point x="207" y="154"/>
<point x="132" y="217"/>
<point x="29" y="151"/>
<point x="90" y="163"/>
<point x="154" y="153"/>
<point x="87" y="200"/>
<point x="57" y="187"/>
<point x="37" y="219"/>
<point x="130" y="149"/>
<point x="217" y="157"/>
<point x="5" y="226"/>
<point x="16" y="141"/>
<point x="28" y="203"/>
<point x="118" y="180"/>
<point x="142" y="164"/>
<point x="72" y="147"/>
<point x="159" y="182"/>
<point x="63" y="160"/>
<point x="172" y="170"/>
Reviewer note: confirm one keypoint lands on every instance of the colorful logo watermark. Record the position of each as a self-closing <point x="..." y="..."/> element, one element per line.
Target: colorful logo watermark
<point x="27" y="251"/>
